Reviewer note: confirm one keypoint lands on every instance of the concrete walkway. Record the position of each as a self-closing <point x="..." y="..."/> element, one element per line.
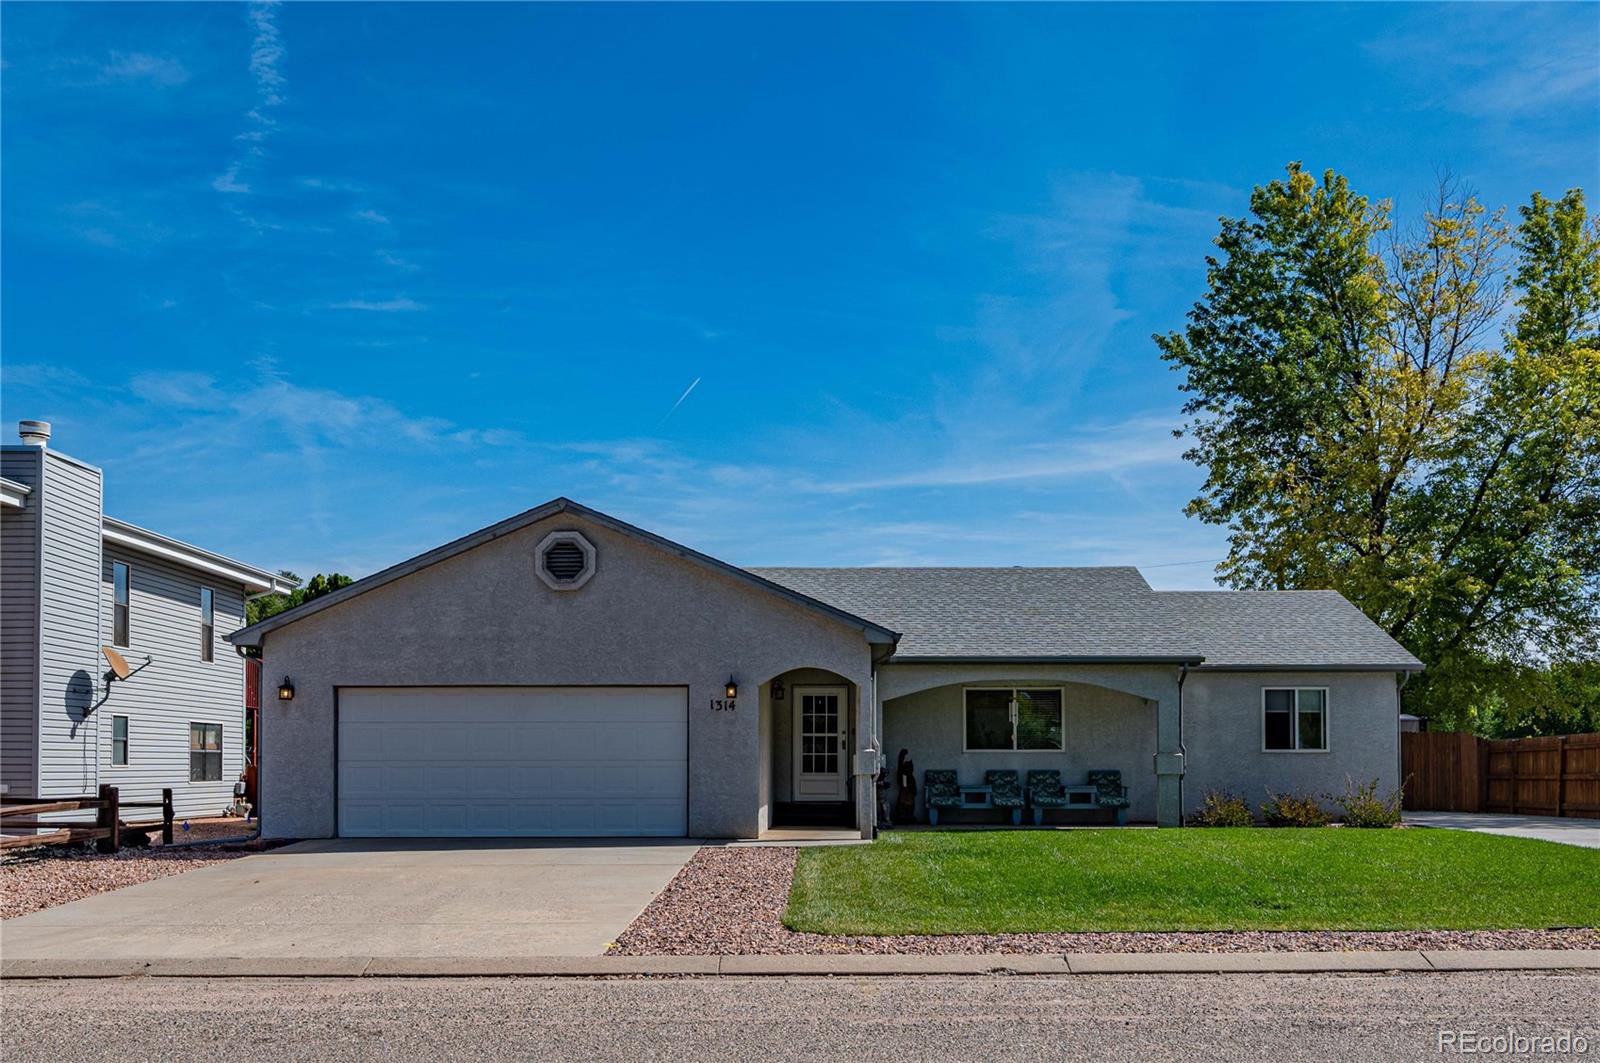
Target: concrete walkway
<point x="339" y="901"/>
<point x="787" y="966"/>
<point x="1567" y="831"/>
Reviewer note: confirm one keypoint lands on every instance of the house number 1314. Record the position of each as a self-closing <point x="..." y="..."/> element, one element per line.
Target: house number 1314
<point x="724" y="705"/>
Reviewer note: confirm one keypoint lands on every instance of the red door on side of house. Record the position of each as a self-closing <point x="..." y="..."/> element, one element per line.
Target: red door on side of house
<point x="252" y="728"/>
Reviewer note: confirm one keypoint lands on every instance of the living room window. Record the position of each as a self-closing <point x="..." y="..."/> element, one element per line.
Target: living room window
<point x="205" y="752"/>
<point x="1014" y="719"/>
<point x="1294" y="719"/>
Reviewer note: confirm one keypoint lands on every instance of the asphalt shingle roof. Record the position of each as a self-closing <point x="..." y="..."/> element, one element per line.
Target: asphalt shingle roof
<point x="1098" y="613"/>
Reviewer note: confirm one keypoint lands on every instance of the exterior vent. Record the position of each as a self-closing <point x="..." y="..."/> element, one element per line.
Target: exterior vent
<point x="565" y="560"/>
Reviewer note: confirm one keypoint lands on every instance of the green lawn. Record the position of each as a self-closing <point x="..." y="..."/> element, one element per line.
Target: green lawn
<point x="1198" y="879"/>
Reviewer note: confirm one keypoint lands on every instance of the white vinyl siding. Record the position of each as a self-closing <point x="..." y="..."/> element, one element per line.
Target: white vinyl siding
<point x="178" y="688"/>
<point x="70" y="631"/>
<point x="19" y="626"/>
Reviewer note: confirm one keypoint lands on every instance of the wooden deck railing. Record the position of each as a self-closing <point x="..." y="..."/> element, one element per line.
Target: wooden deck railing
<point x="106" y="830"/>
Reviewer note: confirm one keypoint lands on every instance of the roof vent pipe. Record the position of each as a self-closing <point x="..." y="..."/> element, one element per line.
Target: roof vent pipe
<point x="34" y="433"/>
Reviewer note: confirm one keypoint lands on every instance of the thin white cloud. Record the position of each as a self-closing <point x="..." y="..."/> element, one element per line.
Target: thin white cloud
<point x="266" y="61"/>
<point x="385" y="306"/>
<point x="163" y="70"/>
<point x="369" y="215"/>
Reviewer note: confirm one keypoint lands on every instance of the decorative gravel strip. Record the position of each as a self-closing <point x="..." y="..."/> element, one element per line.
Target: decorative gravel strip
<point x="37" y="879"/>
<point x="730" y="902"/>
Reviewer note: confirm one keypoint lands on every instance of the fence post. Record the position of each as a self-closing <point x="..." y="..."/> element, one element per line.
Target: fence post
<point x="166" y="816"/>
<point x="108" y="818"/>
<point x="1561" y="777"/>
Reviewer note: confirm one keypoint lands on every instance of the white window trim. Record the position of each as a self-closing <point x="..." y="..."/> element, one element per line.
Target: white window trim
<point x="1294" y="721"/>
<point x="1013" y="688"/>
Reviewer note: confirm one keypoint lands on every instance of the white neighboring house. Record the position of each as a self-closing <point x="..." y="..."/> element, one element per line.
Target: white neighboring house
<point x="73" y="580"/>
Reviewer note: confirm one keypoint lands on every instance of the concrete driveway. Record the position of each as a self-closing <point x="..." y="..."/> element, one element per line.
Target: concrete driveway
<point x="503" y="897"/>
<point x="1584" y="832"/>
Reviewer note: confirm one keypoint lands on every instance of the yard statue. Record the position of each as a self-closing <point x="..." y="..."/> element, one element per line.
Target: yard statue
<point x="905" y="773"/>
<point x="882" y="785"/>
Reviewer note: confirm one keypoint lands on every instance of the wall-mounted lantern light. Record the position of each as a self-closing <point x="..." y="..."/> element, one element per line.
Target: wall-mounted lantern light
<point x="286" y="690"/>
<point x="777" y="690"/>
<point x="733" y="689"/>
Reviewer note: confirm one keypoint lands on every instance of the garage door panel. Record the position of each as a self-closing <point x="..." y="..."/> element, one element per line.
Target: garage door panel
<point x="468" y="762"/>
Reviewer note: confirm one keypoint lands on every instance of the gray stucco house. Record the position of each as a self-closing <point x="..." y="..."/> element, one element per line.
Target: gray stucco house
<point x="565" y="673"/>
<point x="74" y="580"/>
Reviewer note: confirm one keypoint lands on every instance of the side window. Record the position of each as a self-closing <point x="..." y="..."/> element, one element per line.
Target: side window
<point x="119" y="740"/>
<point x="119" y="603"/>
<point x="1294" y="719"/>
<point x="207" y="628"/>
<point x="205" y="752"/>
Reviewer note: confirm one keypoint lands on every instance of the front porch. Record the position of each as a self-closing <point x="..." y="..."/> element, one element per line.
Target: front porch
<point x="1067" y="721"/>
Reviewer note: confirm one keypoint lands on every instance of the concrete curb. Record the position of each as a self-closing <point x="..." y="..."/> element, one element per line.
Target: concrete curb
<point x="786" y="966"/>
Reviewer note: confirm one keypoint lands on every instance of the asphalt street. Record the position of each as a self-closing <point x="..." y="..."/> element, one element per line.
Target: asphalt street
<point x="1277" y="1018"/>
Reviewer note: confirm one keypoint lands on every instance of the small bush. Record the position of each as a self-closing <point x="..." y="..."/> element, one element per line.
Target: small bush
<point x="1293" y="810"/>
<point x="1362" y="807"/>
<point x="1222" y="809"/>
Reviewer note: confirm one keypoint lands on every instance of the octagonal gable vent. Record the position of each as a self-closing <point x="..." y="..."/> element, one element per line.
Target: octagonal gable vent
<point x="565" y="560"/>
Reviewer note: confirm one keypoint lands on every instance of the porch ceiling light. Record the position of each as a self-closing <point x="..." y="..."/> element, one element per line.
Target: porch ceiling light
<point x="286" y="689"/>
<point x="733" y="688"/>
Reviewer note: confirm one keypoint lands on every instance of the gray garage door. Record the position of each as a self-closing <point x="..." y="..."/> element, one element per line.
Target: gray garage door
<point x="436" y="762"/>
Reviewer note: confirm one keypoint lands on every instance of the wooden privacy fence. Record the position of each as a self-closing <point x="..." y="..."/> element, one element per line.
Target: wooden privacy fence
<point x="1448" y="771"/>
<point x="106" y="830"/>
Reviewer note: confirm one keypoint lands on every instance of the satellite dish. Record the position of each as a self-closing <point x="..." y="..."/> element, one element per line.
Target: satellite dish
<point x="119" y="666"/>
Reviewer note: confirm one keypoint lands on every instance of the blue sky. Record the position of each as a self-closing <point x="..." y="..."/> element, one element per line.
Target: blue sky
<point x="322" y="286"/>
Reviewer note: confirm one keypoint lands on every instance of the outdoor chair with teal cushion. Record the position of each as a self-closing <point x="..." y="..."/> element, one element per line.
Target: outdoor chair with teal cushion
<point x="1110" y="793"/>
<point x="1005" y="791"/>
<point x="939" y="790"/>
<point x="1045" y="791"/>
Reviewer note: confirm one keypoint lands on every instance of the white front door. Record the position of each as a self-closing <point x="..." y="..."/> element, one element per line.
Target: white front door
<point x="821" y="729"/>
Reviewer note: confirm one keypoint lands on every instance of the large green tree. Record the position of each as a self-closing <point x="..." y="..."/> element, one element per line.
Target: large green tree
<point x="258" y="609"/>
<point x="1410" y="414"/>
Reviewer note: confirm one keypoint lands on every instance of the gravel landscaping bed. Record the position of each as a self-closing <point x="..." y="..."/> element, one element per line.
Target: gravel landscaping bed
<point x="730" y="901"/>
<point x="43" y="878"/>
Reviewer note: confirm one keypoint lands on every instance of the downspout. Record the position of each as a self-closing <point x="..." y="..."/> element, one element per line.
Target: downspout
<point x="1183" y="673"/>
<point x="1399" y="738"/>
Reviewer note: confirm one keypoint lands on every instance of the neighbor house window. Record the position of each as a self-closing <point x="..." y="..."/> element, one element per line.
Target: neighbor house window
<point x="119" y="604"/>
<point x="205" y="752"/>
<point x="206" y="623"/>
<point x="1008" y="718"/>
<point x="119" y="740"/>
<point x="1294" y="719"/>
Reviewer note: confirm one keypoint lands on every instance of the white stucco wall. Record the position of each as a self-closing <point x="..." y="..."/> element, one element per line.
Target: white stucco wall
<point x="482" y="617"/>
<point x="1222" y="732"/>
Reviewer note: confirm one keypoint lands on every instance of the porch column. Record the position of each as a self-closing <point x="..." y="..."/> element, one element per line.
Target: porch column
<point x="1169" y="765"/>
<point x="865" y="766"/>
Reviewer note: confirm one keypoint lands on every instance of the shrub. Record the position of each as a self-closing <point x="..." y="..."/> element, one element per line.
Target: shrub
<point x="1222" y="809"/>
<point x="1293" y="810"/>
<point x="1362" y="807"/>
